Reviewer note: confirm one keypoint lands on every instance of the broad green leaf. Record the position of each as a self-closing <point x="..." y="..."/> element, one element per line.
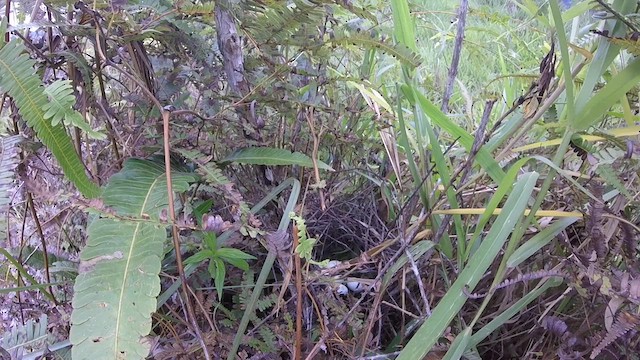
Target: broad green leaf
<point x="231" y="253"/>
<point x="444" y="168"/>
<point x="118" y="282"/>
<point x="211" y="240"/>
<point x="200" y="256"/>
<point x="455" y="298"/>
<point x="563" y="46"/>
<point x="504" y="187"/>
<point x="272" y="156"/>
<point x="459" y="345"/>
<point x="239" y="263"/>
<point x="605" y="53"/>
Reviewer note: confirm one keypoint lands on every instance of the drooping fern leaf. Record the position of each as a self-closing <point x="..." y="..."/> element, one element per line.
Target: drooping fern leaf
<point x="60" y="108"/>
<point x="398" y="51"/>
<point x="278" y="23"/>
<point x="625" y="321"/>
<point x="18" y="78"/>
<point x="8" y="162"/>
<point x="118" y="282"/>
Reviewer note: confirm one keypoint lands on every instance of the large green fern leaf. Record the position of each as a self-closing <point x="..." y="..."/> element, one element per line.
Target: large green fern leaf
<point x="18" y="78"/>
<point x="118" y="282"/>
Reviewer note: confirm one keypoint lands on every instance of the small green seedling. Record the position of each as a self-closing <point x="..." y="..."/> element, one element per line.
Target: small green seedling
<point x="217" y="256"/>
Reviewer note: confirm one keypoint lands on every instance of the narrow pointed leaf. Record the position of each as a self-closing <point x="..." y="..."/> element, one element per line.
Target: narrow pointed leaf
<point x="455" y="298"/>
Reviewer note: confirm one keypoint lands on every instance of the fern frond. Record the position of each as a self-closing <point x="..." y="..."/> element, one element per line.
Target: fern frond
<point x="191" y="9"/>
<point x="266" y="302"/>
<point x="398" y="51"/>
<point x="623" y="324"/>
<point x="214" y="177"/>
<point x="60" y="108"/>
<point x="278" y="23"/>
<point x="81" y="64"/>
<point x="33" y="335"/>
<point x="609" y="174"/>
<point x="9" y="160"/>
<point x="18" y="78"/>
<point x="211" y="173"/>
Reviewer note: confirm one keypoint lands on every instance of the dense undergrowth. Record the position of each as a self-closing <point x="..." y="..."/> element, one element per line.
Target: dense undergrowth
<point x="320" y="179"/>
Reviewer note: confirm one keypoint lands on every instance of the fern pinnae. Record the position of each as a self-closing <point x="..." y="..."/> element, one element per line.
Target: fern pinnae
<point x="9" y="160"/>
<point x="18" y="78"/>
<point x="624" y="323"/>
<point x="398" y="51"/>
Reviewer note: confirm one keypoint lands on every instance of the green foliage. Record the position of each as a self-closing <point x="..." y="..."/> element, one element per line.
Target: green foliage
<point x="305" y="243"/>
<point x="284" y="23"/>
<point x="399" y="52"/>
<point x="365" y="94"/>
<point x="454" y="299"/>
<point x="217" y="256"/>
<point x="60" y="108"/>
<point x="9" y="160"/>
<point x="272" y="156"/>
<point x="118" y="282"/>
<point x="264" y="340"/>
<point x="22" y="339"/>
<point x="18" y="78"/>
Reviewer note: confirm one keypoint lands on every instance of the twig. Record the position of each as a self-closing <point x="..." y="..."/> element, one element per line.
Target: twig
<point x="457" y="49"/>
<point x="176" y="237"/>
<point x="314" y="156"/>
<point x="405" y="242"/>
<point x="296" y="258"/>
<point x="45" y="253"/>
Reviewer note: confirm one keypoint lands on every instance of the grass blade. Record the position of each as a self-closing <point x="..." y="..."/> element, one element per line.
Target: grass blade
<point x="454" y="299"/>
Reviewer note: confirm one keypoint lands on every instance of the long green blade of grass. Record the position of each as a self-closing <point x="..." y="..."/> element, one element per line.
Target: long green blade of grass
<point x="605" y="54"/>
<point x="484" y="158"/>
<point x="514" y="309"/>
<point x="449" y="306"/>
<point x="536" y="243"/>
<point x="600" y="103"/>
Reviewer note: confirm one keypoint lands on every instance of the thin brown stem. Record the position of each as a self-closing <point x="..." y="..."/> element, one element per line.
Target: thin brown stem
<point x="314" y="156"/>
<point x="45" y="253"/>
<point x="176" y="237"/>
<point x="296" y="258"/>
<point x="457" y="49"/>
